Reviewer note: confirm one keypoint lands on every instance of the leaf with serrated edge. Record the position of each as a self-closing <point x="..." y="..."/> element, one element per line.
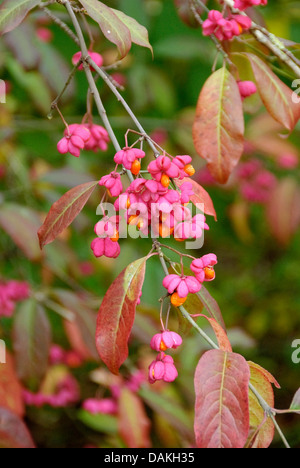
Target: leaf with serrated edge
<point x="12" y="13"/>
<point x="218" y="129"/>
<point x="64" y="211"/>
<point x="222" y="405"/>
<point x="261" y="380"/>
<point x="117" y="313"/>
<point x="276" y="95"/>
<point x="139" y="34"/>
<point x="111" y="26"/>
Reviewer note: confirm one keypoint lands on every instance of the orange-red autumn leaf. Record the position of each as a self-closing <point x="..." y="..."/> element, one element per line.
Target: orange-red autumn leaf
<point x="276" y="95"/>
<point x="64" y="211"/>
<point x="218" y="130"/>
<point x="200" y="197"/>
<point x="117" y="313"/>
<point x="261" y="431"/>
<point x="10" y="388"/>
<point x="134" y="424"/>
<point x="222" y="402"/>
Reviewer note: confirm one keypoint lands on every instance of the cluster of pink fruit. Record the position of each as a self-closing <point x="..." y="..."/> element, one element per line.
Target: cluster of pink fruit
<point x="178" y="287"/>
<point x="10" y="293"/>
<point x="65" y="393"/>
<point x="244" y="4"/>
<point x="149" y="205"/>
<point x="110" y="405"/>
<point x="226" y="28"/>
<point x="77" y="137"/>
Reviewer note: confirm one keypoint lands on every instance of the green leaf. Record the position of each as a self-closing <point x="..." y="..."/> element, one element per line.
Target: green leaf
<point x="99" y="422"/>
<point x="12" y="13"/>
<point x="111" y="26"/>
<point x="32" y="340"/>
<point x="139" y="34"/>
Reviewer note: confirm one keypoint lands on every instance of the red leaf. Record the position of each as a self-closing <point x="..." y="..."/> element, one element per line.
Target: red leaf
<point x="218" y="129"/>
<point x="222" y="403"/>
<point x="10" y="388"/>
<point x="261" y="429"/>
<point x="134" y="424"/>
<point x="200" y="197"/>
<point x="276" y="96"/>
<point x="13" y="432"/>
<point x="117" y="313"/>
<point x="64" y="211"/>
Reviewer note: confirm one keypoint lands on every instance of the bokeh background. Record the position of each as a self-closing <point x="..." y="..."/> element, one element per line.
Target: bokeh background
<point x="258" y="275"/>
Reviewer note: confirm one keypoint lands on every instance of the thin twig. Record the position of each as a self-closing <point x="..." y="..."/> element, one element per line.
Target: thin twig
<point x="60" y="23"/>
<point x="70" y="78"/>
